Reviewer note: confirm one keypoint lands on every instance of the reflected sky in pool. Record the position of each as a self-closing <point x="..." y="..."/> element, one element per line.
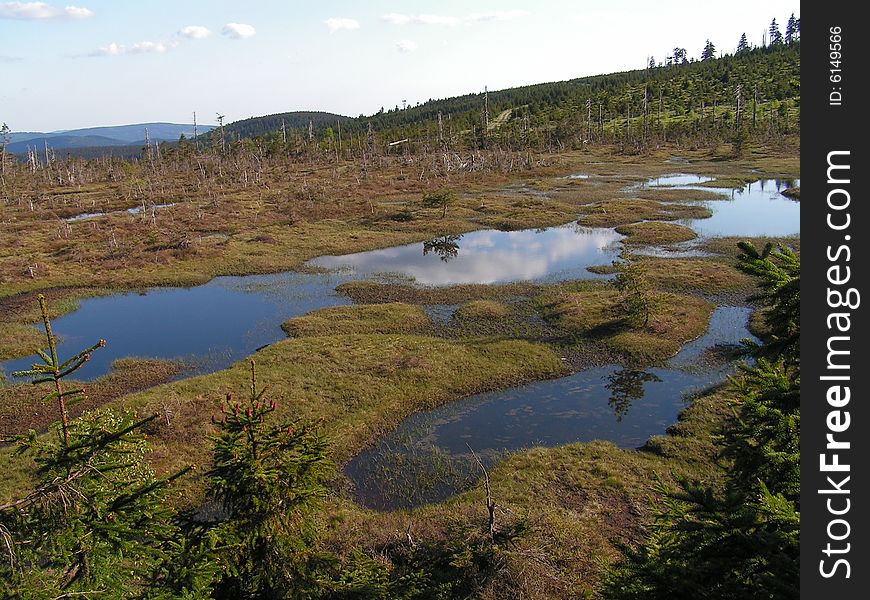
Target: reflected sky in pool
<point x="212" y="325"/>
<point x="756" y="209"/>
<point x="216" y="324"/>
<point x="491" y="256"/>
<point x="610" y="402"/>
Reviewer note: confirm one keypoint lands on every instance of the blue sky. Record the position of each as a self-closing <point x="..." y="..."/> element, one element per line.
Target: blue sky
<point x="82" y="63"/>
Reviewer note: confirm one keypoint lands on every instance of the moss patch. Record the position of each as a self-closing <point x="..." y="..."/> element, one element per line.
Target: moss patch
<point x="679" y="195"/>
<point x="695" y="274"/>
<point x="482" y="310"/>
<point x="371" y="292"/>
<point x="624" y="211"/>
<point x="367" y="318"/>
<point x="655" y="233"/>
<point x="674" y="320"/>
<point x="360" y="386"/>
<point x="727" y="246"/>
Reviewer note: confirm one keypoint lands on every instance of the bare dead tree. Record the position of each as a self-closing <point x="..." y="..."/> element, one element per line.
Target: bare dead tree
<point x="490" y="503"/>
<point x="220" y="119"/>
<point x="4" y="141"/>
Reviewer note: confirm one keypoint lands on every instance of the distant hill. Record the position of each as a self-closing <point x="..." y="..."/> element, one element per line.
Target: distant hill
<point x="62" y="142"/>
<point x="116" y="135"/>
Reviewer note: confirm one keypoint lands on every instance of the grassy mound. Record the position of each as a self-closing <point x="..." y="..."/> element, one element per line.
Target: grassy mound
<point x="367" y="318"/>
<point x="486" y="310"/>
<point x="674" y="320"/>
<point x="612" y="213"/>
<point x="655" y="233"/>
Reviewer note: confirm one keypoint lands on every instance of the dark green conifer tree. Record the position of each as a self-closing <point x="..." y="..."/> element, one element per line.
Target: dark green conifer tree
<point x="775" y="35"/>
<point x="96" y="522"/>
<point x="709" y="52"/>
<point x="742" y="45"/>
<point x="791" y="30"/>
<point x="267" y="477"/>
<point x="741" y="541"/>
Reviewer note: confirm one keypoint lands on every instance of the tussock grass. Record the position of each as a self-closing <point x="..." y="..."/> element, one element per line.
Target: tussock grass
<point x="794" y="193"/>
<point x="727" y="246"/>
<point x="625" y="211"/>
<point x="677" y="195"/>
<point x="366" y="318"/>
<point x="371" y="292"/>
<point x="575" y="503"/>
<point x="696" y="275"/>
<point x="674" y="320"/>
<point x="359" y="386"/>
<point x="656" y="233"/>
<point x="693" y="438"/>
<point x="482" y="310"/>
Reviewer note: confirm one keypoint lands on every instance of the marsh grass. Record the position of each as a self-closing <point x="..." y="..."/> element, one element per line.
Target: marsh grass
<point x="674" y="319"/>
<point x="678" y="195"/>
<point x="626" y="211"/>
<point x="653" y="233"/>
<point x="696" y="275"/>
<point x="727" y="246"/>
<point x="361" y="373"/>
<point x="394" y="317"/>
<point x="308" y="210"/>
<point x="794" y="193"/>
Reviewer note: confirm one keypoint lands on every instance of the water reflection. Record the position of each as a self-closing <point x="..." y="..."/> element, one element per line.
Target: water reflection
<point x="490" y="256"/>
<point x="212" y="325"/>
<point x="446" y="247"/>
<point x="755" y="209"/>
<point x="678" y="179"/>
<point x="626" y="386"/>
<point x="216" y="324"/>
<point x="426" y="458"/>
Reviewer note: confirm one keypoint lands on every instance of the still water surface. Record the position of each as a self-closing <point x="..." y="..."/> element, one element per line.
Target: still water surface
<point x="216" y="324"/>
<point x="427" y="458"/>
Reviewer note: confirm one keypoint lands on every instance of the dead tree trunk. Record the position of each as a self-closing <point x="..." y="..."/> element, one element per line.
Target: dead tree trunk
<point x="490" y="503"/>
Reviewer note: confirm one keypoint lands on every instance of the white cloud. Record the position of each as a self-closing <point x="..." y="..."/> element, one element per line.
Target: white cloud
<point x="334" y="24"/>
<point x="448" y="20"/>
<point x="406" y="46"/>
<point x="29" y="11"/>
<point x="498" y="15"/>
<point x="149" y="47"/>
<point x="427" y="19"/>
<point x="436" y="20"/>
<point x="115" y="49"/>
<point x="238" y="31"/>
<point x="194" y="32"/>
<point x="112" y="49"/>
<point x="396" y="19"/>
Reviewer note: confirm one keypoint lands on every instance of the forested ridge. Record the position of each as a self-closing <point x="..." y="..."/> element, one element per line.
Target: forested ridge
<point x="667" y="102"/>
